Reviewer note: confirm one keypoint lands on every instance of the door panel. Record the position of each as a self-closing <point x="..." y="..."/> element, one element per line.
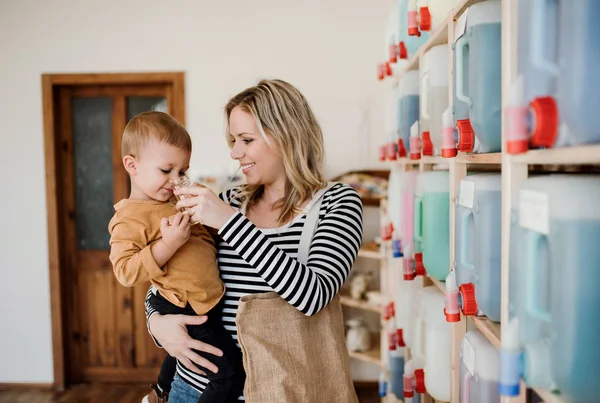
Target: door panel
<point x="106" y="328"/>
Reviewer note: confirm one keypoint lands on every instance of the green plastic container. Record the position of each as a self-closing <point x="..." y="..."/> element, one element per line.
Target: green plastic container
<point x="436" y="223"/>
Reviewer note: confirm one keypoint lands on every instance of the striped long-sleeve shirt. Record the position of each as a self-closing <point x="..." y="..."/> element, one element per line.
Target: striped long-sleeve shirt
<point x="254" y="260"/>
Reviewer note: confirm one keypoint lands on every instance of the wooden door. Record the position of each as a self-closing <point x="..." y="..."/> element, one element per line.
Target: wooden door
<point x="105" y="332"/>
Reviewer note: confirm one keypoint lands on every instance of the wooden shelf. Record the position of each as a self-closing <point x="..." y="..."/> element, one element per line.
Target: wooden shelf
<point x="583" y="155"/>
<point x="439" y="284"/>
<point x="550" y="397"/>
<point x="364" y="305"/>
<point x="405" y="162"/>
<point x="374" y="355"/>
<point x="490" y="329"/>
<point x="491" y="158"/>
<point x="462" y="6"/>
<point x="370" y="253"/>
<point x="435" y="160"/>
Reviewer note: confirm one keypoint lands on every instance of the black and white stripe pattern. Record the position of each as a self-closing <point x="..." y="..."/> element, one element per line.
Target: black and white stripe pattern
<point x="253" y="260"/>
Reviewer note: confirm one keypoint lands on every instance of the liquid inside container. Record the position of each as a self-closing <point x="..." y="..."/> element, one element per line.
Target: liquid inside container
<point x="479" y="370"/>
<point x="409" y="103"/>
<point x="396" y="365"/>
<point x="579" y="57"/>
<point x="560" y="257"/>
<point x="477" y="254"/>
<point x="435" y="220"/>
<point x="483" y="39"/>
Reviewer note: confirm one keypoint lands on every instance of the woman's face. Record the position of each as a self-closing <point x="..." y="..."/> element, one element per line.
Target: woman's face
<point x="260" y="162"/>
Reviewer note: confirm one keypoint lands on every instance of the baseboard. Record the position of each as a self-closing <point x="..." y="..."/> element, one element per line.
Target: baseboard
<point x="26" y="386"/>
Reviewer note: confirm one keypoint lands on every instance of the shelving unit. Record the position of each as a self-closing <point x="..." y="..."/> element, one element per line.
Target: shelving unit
<point x="372" y="356"/>
<point x="514" y="170"/>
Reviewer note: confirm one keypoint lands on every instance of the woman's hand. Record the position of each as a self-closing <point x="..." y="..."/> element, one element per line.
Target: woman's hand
<point x="171" y="333"/>
<point x="204" y="206"/>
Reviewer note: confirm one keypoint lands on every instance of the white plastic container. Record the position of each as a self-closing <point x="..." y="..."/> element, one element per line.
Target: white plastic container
<point x="479" y="370"/>
<point x="433" y="98"/>
<point x="433" y="334"/>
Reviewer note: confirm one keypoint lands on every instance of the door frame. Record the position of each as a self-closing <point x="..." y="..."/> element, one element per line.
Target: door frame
<point x="50" y="84"/>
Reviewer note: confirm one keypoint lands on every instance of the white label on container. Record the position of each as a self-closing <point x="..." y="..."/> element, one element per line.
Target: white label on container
<point x="468" y="356"/>
<point x="534" y="211"/>
<point x="467" y="194"/>
<point x="461" y="25"/>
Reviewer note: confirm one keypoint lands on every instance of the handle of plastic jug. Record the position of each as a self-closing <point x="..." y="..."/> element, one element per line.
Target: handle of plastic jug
<point x="418" y="229"/>
<point x="538" y="36"/>
<point x="532" y="273"/>
<point x="463" y="259"/>
<point x="466" y="396"/>
<point x="423" y="96"/>
<point x="459" y="49"/>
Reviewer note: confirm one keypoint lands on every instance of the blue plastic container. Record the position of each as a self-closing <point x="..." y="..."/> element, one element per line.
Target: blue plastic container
<point x="396" y="365"/>
<point x="483" y="40"/>
<point x="478" y="223"/>
<point x="579" y="58"/>
<point x="409" y="103"/>
<point x="559" y="259"/>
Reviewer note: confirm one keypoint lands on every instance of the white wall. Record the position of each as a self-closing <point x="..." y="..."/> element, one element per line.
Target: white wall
<point x="327" y="48"/>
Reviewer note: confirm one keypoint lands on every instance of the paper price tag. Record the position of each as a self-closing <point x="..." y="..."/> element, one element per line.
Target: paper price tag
<point x="534" y="211"/>
<point x="468" y="356"/>
<point x="467" y="194"/>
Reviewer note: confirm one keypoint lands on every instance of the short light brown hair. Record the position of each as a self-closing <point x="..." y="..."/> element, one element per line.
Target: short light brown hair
<point x="155" y="125"/>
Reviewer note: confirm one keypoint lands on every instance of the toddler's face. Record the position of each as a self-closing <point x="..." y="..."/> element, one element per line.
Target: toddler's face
<point x="157" y="166"/>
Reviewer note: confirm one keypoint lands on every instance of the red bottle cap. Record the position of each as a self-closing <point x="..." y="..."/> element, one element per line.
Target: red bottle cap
<point x="545" y="113"/>
<point x="419" y="266"/>
<point x="468" y="299"/>
<point x="425" y="19"/>
<point x="401" y="149"/>
<point x="420" y="378"/>
<point x="427" y="144"/>
<point x="466" y="137"/>
<point x="402" y="51"/>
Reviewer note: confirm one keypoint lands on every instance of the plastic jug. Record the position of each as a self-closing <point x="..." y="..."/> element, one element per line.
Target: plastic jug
<point x="394" y="206"/>
<point x="434" y="97"/>
<point x="408" y="217"/>
<point x="479" y="369"/>
<point x="460" y="108"/>
<point x="435" y="338"/>
<point x="408" y="311"/>
<point x="418" y="226"/>
<point x="477" y="264"/>
<point x="482" y="38"/>
<point x="425" y="16"/>
<point x="413" y="42"/>
<point x="409" y="103"/>
<point x="396" y="367"/>
<point x="403" y="147"/>
<point x="400" y="289"/>
<point x="391" y="128"/>
<point x="560" y="218"/>
<point x="579" y="55"/>
<point x="435" y="219"/>
<point x="402" y="29"/>
<point x="560" y="88"/>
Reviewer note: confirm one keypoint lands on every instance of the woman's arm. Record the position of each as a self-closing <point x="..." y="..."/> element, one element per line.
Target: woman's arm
<point x="170" y="332"/>
<point x="334" y="247"/>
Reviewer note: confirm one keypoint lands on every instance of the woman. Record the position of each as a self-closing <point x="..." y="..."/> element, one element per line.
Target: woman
<point x="276" y="139"/>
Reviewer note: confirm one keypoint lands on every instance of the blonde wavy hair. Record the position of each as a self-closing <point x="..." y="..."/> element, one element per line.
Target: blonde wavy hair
<point x="287" y="124"/>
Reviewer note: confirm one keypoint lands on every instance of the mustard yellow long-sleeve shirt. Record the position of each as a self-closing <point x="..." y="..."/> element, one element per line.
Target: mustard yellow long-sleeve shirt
<point x="190" y="276"/>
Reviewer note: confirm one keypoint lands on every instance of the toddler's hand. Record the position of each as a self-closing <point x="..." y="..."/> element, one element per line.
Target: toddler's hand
<point x="176" y="230"/>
